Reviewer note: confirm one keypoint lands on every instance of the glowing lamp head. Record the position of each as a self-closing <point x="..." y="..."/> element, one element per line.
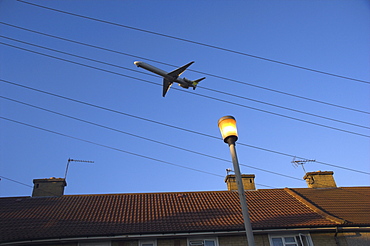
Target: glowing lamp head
<point x="227" y="125"/>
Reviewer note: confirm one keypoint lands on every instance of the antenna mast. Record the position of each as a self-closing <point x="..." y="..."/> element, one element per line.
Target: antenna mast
<point x="69" y="160"/>
<point x="297" y="163"/>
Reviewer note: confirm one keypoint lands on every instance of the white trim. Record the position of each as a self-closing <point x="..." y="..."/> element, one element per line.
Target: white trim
<point x="145" y="241"/>
<point x="293" y="235"/>
<point x="190" y="239"/>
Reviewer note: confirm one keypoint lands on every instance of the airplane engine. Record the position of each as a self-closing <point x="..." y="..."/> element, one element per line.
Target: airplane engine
<point x="184" y="86"/>
<point x="187" y="81"/>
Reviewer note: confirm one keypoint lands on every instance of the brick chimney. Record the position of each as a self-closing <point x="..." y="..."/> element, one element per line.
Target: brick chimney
<point x="48" y="187"/>
<point x="320" y="179"/>
<point x="247" y="179"/>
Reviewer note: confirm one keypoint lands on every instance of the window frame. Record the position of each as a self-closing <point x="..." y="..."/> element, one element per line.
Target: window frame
<point x="144" y="241"/>
<point x="294" y="235"/>
<point x="215" y="239"/>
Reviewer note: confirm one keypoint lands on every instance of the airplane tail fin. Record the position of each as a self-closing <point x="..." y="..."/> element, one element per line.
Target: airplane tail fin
<point x="195" y="82"/>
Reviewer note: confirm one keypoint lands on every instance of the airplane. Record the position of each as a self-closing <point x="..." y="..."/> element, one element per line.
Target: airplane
<point x="169" y="78"/>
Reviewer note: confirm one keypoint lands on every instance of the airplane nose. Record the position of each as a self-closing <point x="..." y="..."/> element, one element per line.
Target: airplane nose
<point x="137" y="63"/>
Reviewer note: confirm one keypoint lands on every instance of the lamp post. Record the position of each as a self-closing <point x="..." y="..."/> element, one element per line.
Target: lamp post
<point x="229" y="133"/>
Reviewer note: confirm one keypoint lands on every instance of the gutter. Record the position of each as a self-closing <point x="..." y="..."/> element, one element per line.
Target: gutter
<point x="188" y="234"/>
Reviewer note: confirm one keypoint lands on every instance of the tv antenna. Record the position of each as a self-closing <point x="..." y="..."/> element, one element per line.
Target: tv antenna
<point x="228" y="170"/>
<point x="301" y="163"/>
<point x="69" y="160"/>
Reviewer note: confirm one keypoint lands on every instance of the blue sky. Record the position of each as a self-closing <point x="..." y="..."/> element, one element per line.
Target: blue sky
<point x="328" y="36"/>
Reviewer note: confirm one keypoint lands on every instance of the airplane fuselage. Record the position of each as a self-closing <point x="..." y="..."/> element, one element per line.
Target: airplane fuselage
<point x="182" y="82"/>
<point x="171" y="77"/>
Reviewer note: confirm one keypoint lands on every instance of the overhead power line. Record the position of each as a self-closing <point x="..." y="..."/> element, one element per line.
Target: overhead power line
<point x="54" y="194"/>
<point x="124" y="151"/>
<point x="141" y="137"/>
<point x="175" y="127"/>
<point x="15" y="181"/>
<point x="117" y="149"/>
<point x="109" y="147"/>
<point x="204" y="73"/>
<point x="209" y="89"/>
<point x="24" y="184"/>
<point x="197" y="43"/>
<point x="193" y="93"/>
<point x="281" y="92"/>
<point x="286" y="108"/>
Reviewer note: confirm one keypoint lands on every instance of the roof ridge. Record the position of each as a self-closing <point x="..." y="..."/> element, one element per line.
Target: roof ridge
<point x="146" y="193"/>
<point x="313" y="207"/>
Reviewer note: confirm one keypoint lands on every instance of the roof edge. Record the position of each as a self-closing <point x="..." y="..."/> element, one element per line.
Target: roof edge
<point x="313" y="207"/>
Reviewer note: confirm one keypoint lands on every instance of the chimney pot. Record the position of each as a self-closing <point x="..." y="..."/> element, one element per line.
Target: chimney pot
<point x="48" y="187"/>
<point x="247" y="179"/>
<point x="320" y="179"/>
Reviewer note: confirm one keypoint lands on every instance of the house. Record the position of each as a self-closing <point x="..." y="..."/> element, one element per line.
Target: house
<point x="322" y="214"/>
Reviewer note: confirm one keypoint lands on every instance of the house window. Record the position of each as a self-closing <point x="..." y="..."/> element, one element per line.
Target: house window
<point x="147" y="243"/>
<point x="203" y="242"/>
<point x="291" y="240"/>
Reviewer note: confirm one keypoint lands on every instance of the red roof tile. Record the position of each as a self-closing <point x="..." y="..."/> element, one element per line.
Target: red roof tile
<point x="348" y="203"/>
<point x="26" y="218"/>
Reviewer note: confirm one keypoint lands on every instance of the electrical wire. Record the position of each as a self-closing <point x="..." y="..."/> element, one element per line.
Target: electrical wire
<point x="124" y="151"/>
<point x="216" y="91"/>
<point x="286" y="108"/>
<point x="197" y="43"/>
<point x="209" y="89"/>
<point x="294" y="189"/>
<point x="141" y="137"/>
<point x="21" y="183"/>
<point x="209" y="97"/>
<point x="30" y="186"/>
<point x="15" y="181"/>
<point x="174" y="127"/>
<point x="109" y="147"/>
<point x="117" y="149"/>
<point x="204" y="73"/>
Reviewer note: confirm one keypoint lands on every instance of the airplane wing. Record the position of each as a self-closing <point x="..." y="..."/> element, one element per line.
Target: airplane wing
<point x="166" y="86"/>
<point x="178" y="71"/>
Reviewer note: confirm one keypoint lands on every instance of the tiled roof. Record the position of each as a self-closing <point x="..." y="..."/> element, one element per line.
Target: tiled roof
<point x="27" y="218"/>
<point x="348" y="203"/>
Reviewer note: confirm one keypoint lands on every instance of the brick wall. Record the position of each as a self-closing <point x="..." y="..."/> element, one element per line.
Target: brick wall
<point x="342" y="239"/>
<point x="320" y="179"/>
<point x="355" y="238"/>
<point x="323" y="239"/>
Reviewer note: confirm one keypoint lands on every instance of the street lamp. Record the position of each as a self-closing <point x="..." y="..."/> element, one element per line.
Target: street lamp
<point x="227" y="125"/>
